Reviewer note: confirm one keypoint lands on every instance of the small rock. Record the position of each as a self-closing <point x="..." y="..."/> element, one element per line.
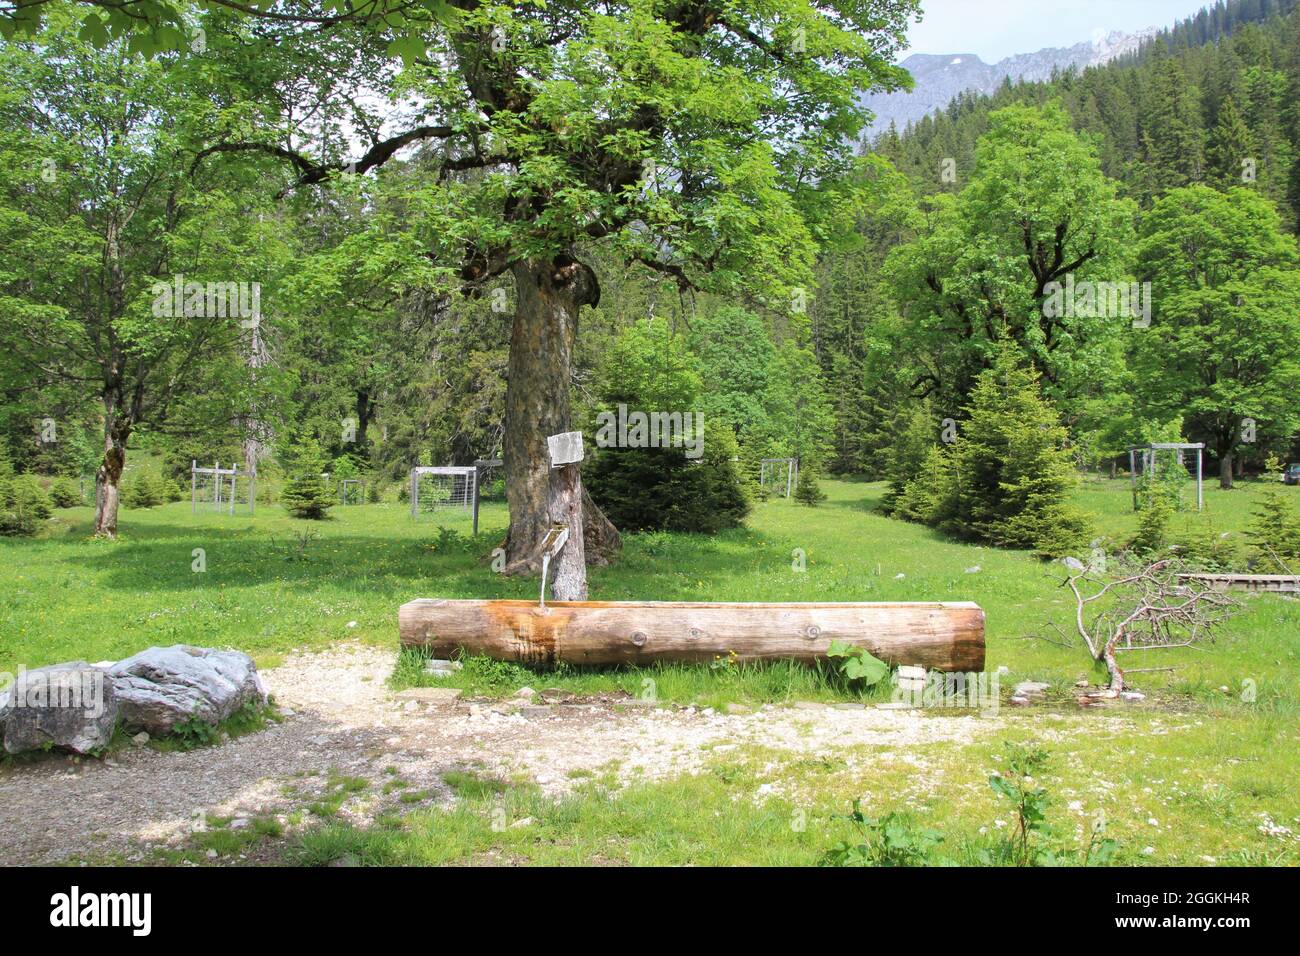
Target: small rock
<point x="140" y="739"/>
<point x="974" y="570"/>
<point x="899" y="576"/>
<point x="737" y="709"/>
<point x="849" y="705"/>
<point x="212" y="854"/>
<point x="525" y="822"/>
<point x="536" y="710"/>
<point x="240" y="823"/>
<point x="1003" y="670"/>
<point x="352" y="624"/>
<point x="808" y="705"/>
<point x="1132" y="695"/>
<point x="526" y="692"/>
<point x="1018" y="701"/>
<point x="1081" y="683"/>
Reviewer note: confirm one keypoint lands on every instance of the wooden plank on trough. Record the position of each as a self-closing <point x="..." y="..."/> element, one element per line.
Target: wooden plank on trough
<point x="938" y="636"/>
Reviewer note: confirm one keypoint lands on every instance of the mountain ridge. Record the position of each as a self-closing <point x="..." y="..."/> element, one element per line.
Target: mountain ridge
<point x="941" y="78"/>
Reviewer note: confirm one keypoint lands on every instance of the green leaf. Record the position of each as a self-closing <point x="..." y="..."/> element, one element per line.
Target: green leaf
<point x="867" y="669"/>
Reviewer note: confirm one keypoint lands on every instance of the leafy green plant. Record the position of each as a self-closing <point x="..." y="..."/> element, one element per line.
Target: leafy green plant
<point x="856" y="665"/>
<point x="892" y="840"/>
<point x="193" y="732"/>
<point x="1020" y="786"/>
<point x="450" y="540"/>
<point x="1034" y="842"/>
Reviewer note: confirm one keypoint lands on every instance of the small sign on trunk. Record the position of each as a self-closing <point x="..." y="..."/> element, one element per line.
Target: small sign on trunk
<point x="565" y="448"/>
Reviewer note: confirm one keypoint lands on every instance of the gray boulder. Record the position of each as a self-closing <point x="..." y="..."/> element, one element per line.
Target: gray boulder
<point x="69" y="706"/>
<point x="163" y="686"/>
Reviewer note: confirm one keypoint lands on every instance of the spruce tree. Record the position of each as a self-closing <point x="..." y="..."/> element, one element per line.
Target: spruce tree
<point x="307" y="495"/>
<point x="1275" y="530"/>
<point x="1230" y="147"/>
<point x="1013" y="469"/>
<point x="24" y="505"/>
<point x="809" y="491"/>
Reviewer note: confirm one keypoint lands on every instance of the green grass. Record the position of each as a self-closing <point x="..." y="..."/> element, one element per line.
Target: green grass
<point x="1203" y="761"/>
<point x="1209" y="787"/>
<point x="68" y="596"/>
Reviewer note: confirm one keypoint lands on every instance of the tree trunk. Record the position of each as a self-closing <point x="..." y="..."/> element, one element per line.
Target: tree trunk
<point x="366" y="409"/>
<point x="108" y="491"/>
<point x="1225" y="470"/>
<point x="549" y="293"/>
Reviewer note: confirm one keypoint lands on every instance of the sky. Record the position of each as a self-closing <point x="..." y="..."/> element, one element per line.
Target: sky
<point x="993" y="29"/>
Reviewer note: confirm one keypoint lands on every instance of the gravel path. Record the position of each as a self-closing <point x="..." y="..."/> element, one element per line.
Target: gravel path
<point x="343" y="720"/>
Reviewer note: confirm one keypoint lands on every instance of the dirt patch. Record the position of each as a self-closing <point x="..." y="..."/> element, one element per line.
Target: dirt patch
<point x="343" y="723"/>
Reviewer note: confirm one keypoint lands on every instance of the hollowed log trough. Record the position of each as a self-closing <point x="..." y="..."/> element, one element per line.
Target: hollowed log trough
<point x="937" y="636"/>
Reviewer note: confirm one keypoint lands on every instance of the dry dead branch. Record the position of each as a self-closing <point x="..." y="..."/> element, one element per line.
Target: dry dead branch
<point x="1147" y="609"/>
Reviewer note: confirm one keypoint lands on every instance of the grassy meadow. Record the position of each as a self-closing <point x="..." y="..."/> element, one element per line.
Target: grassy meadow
<point x="1212" y="764"/>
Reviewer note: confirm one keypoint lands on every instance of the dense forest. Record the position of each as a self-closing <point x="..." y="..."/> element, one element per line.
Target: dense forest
<point x="852" y="334"/>
<point x="1213" y="102"/>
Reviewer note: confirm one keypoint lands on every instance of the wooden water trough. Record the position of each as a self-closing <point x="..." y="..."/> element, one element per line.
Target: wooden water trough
<point x="938" y="636"/>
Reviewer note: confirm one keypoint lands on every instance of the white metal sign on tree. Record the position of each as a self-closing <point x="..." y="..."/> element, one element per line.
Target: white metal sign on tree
<point x="565" y="448"/>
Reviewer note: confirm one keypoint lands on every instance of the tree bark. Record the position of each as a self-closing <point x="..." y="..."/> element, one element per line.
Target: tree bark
<point x="549" y="293"/>
<point x="1225" y="470"/>
<point x="108" y="490"/>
